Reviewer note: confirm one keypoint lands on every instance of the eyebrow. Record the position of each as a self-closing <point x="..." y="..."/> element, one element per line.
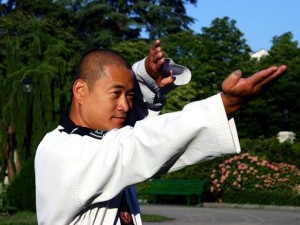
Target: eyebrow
<point x="117" y="86"/>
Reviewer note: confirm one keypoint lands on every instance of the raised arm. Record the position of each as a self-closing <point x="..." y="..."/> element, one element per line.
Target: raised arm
<point x="156" y="76"/>
<point x="154" y="65"/>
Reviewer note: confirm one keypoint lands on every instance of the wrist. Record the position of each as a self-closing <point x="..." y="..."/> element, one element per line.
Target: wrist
<point x="231" y="104"/>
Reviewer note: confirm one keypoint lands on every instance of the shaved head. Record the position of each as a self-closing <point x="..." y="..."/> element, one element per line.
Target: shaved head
<point x="92" y="65"/>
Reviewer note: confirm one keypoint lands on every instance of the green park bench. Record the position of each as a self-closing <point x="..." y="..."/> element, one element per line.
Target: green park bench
<point x="174" y="187"/>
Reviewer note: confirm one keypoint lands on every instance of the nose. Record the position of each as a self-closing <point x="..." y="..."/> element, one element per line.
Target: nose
<point x="124" y="104"/>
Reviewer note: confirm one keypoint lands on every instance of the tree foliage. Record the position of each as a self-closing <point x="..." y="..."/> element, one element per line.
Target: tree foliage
<point x="106" y="22"/>
<point x="44" y="40"/>
<point x="211" y="56"/>
<point x="225" y="49"/>
<point x="40" y="48"/>
<point x="267" y="114"/>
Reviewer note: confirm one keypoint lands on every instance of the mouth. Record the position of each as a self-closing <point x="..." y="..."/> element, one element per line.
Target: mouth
<point x="120" y="119"/>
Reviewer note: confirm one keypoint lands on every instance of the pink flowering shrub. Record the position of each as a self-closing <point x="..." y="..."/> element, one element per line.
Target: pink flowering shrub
<point x="249" y="172"/>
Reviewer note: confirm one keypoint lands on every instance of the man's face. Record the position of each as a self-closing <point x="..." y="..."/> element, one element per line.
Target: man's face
<point x="108" y="103"/>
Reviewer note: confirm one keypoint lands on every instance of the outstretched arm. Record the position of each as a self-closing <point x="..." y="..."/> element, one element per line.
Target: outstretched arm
<point x="154" y="66"/>
<point x="237" y="90"/>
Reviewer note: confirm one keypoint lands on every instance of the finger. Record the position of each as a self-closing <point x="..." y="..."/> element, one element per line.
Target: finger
<point x="273" y="77"/>
<point x="231" y="81"/>
<point x="158" y="56"/>
<point x="154" y="50"/>
<point x="262" y="75"/>
<point x="156" y="44"/>
<point x="167" y="80"/>
<point x="269" y="76"/>
<point x="157" y="67"/>
<point x="160" y="63"/>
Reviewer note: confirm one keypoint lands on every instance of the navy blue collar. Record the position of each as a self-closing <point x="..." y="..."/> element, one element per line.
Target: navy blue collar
<point x="71" y="128"/>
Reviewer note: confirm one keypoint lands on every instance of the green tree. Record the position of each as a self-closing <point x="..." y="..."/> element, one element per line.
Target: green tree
<point x="133" y="50"/>
<point x="211" y="56"/>
<point x="225" y="48"/>
<point x="184" y="48"/>
<point x="267" y="113"/>
<point x="107" y="22"/>
<point x="45" y="51"/>
<point x="104" y="23"/>
<point x="163" y="17"/>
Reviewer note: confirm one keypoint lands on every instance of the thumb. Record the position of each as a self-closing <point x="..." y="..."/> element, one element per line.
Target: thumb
<point x="167" y="80"/>
<point x="231" y="81"/>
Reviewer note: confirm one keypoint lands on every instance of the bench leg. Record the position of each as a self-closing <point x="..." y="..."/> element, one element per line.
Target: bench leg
<point x="200" y="201"/>
<point x="154" y="198"/>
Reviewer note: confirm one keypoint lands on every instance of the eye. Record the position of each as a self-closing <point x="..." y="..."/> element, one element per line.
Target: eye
<point x="116" y="93"/>
<point x="130" y="95"/>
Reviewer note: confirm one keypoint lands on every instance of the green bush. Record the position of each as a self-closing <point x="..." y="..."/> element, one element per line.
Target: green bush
<point x="261" y="197"/>
<point x="246" y="173"/>
<point x="3" y="198"/>
<point x="21" y="192"/>
<point x="272" y="150"/>
<point x="18" y="218"/>
<point x="199" y="171"/>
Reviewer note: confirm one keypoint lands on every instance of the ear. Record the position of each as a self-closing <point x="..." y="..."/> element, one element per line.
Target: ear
<point x="79" y="88"/>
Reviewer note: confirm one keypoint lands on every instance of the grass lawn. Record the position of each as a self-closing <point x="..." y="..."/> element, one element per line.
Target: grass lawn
<point x="154" y="218"/>
<point x="19" y="218"/>
<point x="29" y="218"/>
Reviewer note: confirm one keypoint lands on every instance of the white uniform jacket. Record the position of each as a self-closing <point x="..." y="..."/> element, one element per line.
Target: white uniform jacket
<point x="81" y="174"/>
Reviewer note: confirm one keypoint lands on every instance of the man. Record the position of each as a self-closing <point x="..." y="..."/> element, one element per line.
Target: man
<point x="86" y="167"/>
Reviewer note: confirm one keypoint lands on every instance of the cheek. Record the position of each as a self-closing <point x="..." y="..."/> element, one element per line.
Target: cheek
<point x="95" y="106"/>
<point x="110" y="104"/>
<point x="130" y="103"/>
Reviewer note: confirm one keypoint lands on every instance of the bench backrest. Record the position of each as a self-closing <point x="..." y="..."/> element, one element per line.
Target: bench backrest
<point x="172" y="186"/>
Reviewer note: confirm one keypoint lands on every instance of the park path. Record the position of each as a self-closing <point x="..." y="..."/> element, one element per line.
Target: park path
<point x="223" y="215"/>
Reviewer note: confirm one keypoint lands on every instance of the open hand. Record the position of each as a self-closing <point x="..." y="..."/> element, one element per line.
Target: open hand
<point x="237" y="90"/>
<point x="154" y="65"/>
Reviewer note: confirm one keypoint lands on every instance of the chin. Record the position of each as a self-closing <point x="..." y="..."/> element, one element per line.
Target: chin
<point x="119" y="127"/>
<point x="115" y="127"/>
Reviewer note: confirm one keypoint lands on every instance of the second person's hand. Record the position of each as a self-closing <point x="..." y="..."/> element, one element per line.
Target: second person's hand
<point x="154" y="66"/>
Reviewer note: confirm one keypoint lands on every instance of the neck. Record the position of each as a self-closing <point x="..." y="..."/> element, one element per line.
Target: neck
<point x="74" y="114"/>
